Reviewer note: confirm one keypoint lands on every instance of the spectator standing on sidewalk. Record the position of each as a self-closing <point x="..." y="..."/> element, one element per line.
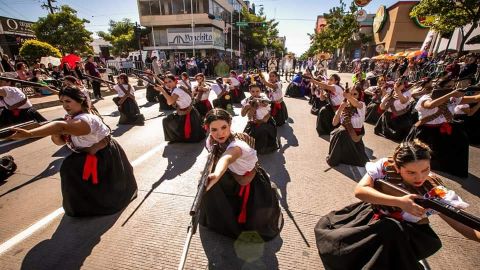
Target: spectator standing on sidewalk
<point x="91" y="69"/>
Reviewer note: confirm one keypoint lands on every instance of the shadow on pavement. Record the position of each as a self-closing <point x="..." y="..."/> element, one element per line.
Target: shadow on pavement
<point x="470" y="184"/>
<point x="225" y="253"/>
<point x="6" y="146"/>
<point x="120" y="130"/>
<point x="148" y="104"/>
<point x="70" y="245"/>
<point x="181" y="157"/>
<point x="353" y="172"/>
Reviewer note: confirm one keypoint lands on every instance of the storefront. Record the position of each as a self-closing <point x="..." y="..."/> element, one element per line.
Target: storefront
<point x="13" y="33"/>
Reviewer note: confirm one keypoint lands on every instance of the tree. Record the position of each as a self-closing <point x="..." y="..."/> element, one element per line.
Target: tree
<point x="123" y="37"/>
<point x="449" y="15"/>
<point x="32" y="50"/>
<point x="65" y="31"/>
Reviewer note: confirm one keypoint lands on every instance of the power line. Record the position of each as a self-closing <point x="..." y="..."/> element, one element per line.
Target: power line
<point x="12" y="9"/>
<point x="48" y="6"/>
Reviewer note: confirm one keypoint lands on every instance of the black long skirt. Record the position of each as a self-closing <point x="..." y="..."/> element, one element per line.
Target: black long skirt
<point x="115" y="189"/>
<point x="174" y="127"/>
<point x="293" y="90"/>
<point x="279" y="113"/>
<point x="221" y="102"/>
<point x="373" y="113"/>
<point x="151" y="94"/>
<point x="129" y="113"/>
<point x="344" y="150"/>
<point x="449" y="152"/>
<point x="471" y="124"/>
<point x="162" y="101"/>
<point x="350" y="239"/>
<point x="221" y="207"/>
<point x="324" y="120"/>
<point x="396" y="128"/>
<point x="265" y="136"/>
<point x="237" y="95"/>
<point x="317" y="104"/>
<point x="203" y="107"/>
<point x="13" y="117"/>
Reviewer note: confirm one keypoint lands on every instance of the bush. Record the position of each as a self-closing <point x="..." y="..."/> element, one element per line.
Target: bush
<point x="32" y="50"/>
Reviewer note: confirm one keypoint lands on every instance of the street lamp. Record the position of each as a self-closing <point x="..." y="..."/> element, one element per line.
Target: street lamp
<point x="193" y="28"/>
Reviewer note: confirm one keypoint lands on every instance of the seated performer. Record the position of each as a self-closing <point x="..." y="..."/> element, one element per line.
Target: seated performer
<point x="261" y="126"/>
<point x="15" y="107"/>
<point x="127" y="105"/>
<point x="346" y="144"/>
<point x="239" y="196"/>
<point x="396" y="121"/>
<point x="234" y="87"/>
<point x="162" y="101"/>
<point x="384" y="231"/>
<point x="97" y="178"/>
<point x="71" y="81"/>
<point x="185" y="84"/>
<point x="201" y="92"/>
<point x="334" y="95"/>
<point x="447" y="139"/>
<point x="469" y="114"/>
<point x="151" y="94"/>
<point x="223" y="96"/>
<point x="274" y="90"/>
<point x="185" y="124"/>
<point x="376" y="94"/>
<point x="293" y="88"/>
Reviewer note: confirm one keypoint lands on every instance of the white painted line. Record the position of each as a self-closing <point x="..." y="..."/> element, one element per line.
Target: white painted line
<point x="46" y="220"/>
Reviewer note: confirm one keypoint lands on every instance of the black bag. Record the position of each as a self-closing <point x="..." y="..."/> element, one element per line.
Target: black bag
<point x="7" y="167"/>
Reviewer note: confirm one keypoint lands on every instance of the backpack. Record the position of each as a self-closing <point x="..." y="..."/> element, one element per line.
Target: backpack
<point x="7" y="167"/>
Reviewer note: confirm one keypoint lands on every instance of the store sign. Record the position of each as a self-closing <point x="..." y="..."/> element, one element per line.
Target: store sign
<point x="185" y="37"/>
<point x="361" y="15"/>
<point x="16" y="27"/>
<point x="380" y="18"/>
<point x="362" y="3"/>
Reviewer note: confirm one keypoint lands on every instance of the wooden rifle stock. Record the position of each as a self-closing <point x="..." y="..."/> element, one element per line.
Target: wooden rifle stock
<point x="432" y="203"/>
<point x="195" y="209"/>
<point x="25" y="83"/>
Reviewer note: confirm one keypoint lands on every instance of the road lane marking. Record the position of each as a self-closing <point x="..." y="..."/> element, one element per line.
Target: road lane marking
<point x="49" y="218"/>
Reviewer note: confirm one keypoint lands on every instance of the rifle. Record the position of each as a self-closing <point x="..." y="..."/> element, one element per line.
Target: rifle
<point x="195" y="210"/>
<point x="432" y="203"/>
<point x="25" y="83"/>
<point x="93" y="78"/>
<point x="5" y="132"/>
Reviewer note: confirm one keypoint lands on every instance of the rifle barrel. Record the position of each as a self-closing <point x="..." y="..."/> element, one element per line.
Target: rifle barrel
<point x="23" y="82"/>
<point x="98" y="79"/>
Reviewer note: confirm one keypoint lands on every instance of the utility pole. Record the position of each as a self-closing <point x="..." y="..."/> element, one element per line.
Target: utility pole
<point x="49" y="6"/>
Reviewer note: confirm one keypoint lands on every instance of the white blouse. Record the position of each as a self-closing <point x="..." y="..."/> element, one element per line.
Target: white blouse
<point x="261" y="110"/>
<point x="276" y="94"/>
<point x="246" y="162"/>
<point x="125" y="86"/>
<point x="14" y="95"/>
<point x="358" y="118"/>
<point x="337" y="96"/>
<point x="397" y="103"/>
<point x="217" y="89"/>
<point x="98" y="131"/>
<point x="186" y="84"/>
<point x="423" y="112"/>
<point x="459" y="109"/>
<point x="205" y="94"/>
<point x="184" y="100"/>
<point x="235" y="82"/>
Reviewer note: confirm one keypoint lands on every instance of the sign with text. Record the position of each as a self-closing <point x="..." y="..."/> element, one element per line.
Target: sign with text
<point x="185" y="37"/>
<point x="16" y="27"/>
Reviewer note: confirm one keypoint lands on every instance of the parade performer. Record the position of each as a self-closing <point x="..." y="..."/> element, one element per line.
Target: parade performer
<point x="376" y="94"/>
<point x="334" y="95"/>
<point x="127" y="105"/>
<point x="185" y="124"/>
<point x="91" y="69"/>
<point x="384" y="231"/>
<point x="346" y="144"/>
<point x="240" y="196"/>
<point x="469" y="114"/>
<point x="15" y="107"/>
<point x="396" y="120"/>
<point x="185" y="84"/>
<point x="234" y="87"/>
<point x="70" y="81"/>
<point x="223" y="99"/>
<point x="97" y="178"/>
<point x="162" y="101"/>
<point x="201" y="92"/>
<point x="261" y="126"/>
<point x="435" y="126"/>
<point x="293" y="88"/>
<point x="274" y="91"/>
<point x="151" y="94"/>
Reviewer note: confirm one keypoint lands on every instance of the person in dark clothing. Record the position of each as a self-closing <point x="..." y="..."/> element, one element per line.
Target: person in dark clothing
<point x="91" y="69"/>
<point x="7" y="67"/>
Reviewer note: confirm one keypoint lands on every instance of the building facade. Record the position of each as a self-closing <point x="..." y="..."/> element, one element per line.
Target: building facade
<point x="200" y="28"/>
<point x="13" y="33"/>
<point x="395" y="30"/>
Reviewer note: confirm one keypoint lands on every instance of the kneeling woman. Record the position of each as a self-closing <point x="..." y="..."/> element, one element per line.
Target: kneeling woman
<point x="334" y="95"/>
<point x="346" y="144"/>
<point x="97" y="178"/>
<point x="184" y="125"/>
<point x="201" y="92"/>
<point x="127" y="105"/>
<point x="274" y="90"/>
<point x="239" y="196"/>
<point x="385" y="231"/>
<point x="261" y="125"/>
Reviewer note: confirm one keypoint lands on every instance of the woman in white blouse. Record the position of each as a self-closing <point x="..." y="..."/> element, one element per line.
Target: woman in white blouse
<point x="185" y="124"/>
<point x="346" y="144"/>
<point x="240" y="196"/>
<point x="127" y="105"/>
<point x="97" y="178"/>
<point x="234" y="86"/>
<point x="274" y="90"/>
<point x="334" y="95"/>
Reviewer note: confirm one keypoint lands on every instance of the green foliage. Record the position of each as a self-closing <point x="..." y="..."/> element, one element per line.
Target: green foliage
<point x="341" y="25"/>
<point x="449" y="15"/>
<point x="122" y="35"/>
<point x="64" y="30"/>
<point x="259" y="34"/>
<point x="33" y="50"/>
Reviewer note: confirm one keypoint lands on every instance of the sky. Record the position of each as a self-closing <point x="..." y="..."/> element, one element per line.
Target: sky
<point x="296" y="17"/>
